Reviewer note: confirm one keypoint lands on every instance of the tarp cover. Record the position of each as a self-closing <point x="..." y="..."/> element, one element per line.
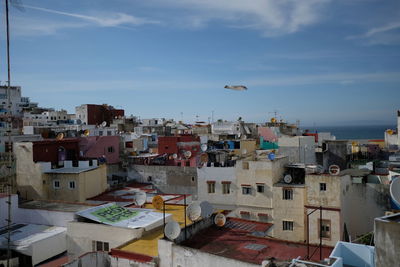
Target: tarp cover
<point x="114" y="215"/>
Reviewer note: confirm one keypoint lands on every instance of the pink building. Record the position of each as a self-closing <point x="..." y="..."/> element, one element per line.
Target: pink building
<point x="100" y="146"/>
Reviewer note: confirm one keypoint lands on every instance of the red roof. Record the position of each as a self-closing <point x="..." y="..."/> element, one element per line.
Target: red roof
<point x="238" y="243"/>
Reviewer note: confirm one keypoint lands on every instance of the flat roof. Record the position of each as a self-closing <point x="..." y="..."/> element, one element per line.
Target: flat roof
<point x="54" y="205"/>
<point x="148" y="243"/>
<point x="71" y="170"/>
<point x="238" y="242"/>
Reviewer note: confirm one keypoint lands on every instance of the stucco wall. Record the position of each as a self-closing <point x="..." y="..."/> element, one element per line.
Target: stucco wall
<point x="328" y="198"/>
<point x="361" y="204"/>
<point x="80" y="236"/>
<point x="387" y="242"/>
<point x="167" y="179"/>
<point x="217" y="174"/>
<point x="29" y="174"/>
<point x="335" y="226"/>
<point x="179" y="256"/>
<point x="298" y="148"/>
<point x="289" y="210"/>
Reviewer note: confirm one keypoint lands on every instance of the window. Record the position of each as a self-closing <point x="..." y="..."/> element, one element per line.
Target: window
<point x="100" y="246"/>
<point x="246" y="190"/>
<point x="188" y="163"/>
<point x="226" y="188"/>
<point x="245" y="215"/>
<point x="149" y="179"/>
<point x="56" y="184"/>
<point x="110" y="149"/>
<point x="263" y="217"/>
<point x="260" y="188"/>
<point x="71" y="185"/>
<point x="211" y="187"/>
<point x="287" y="225"/>
<point x="100" y="133"/>
<point x="325" y="228"/>
<point x="245" y="165"/>
<point x="322" y="186"/>
<point x="108" y="133"/>
<point x="287" y="194"/>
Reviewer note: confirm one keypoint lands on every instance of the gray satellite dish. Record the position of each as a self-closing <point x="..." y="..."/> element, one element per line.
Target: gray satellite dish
<point x="187" y="154"/>
<point x="172" y="230"/>
<point x="140" y="198"/>
<point x="174" y="156"/>
<point x="193" y="211"/>
<point x="288" y="179"/>
<point x="206" y="209"/>
<point x="204" y="147"/>
<point x="220" y="220"/>
<point x="103" y="124"/>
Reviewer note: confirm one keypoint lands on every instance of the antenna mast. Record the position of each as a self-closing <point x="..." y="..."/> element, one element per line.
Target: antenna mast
<point x="9" y="124"/>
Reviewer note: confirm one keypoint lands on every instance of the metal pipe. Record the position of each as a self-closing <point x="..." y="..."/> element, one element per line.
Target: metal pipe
<point x="184" y="203"/>
<point x="320" y="232"/>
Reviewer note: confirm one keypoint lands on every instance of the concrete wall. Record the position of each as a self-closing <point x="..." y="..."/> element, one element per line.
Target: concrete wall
<point x="335" y="226"/>
<point x="94" y="259"/>
<point x="299" y="149"/>
<point x="387" y="241"/>
<point x="4" y="209"/>
<point x="289" y="210"/>
<point x="174" y="255"/>
<point x="167" y="179"/>
<point x="29" y="174"/>
<point x="46" y="217"/>
<point x="354" y="254"/>
<point x="80" y="236"/>
<point x="217" y="174"/>
<point x="361" y="204"/>
<point x="87" y="184"/>
<point x="328" y="198"/>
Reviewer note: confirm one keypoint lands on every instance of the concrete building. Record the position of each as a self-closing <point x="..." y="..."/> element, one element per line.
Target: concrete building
<point x="299" y="149"/>
<point x="218" y="185"/>
<point x="91" y="114"/>
<point x="387" y="240"/>
<point x="181" y="150"/>
<point x="167" y="179"/>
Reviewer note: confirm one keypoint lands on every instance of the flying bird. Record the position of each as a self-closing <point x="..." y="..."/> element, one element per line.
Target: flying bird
<point x="236" y="87"/>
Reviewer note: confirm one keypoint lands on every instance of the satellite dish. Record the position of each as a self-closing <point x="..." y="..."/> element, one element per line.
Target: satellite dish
<point x="172" y="230"/>
<point x="174" y="156"/>
<point x="193" y="211"/>
<point x="187" y="154"/>
<point x="206" y="209"/>
<point x="334" y="170"/>
<point x="150" y="150"/>
<point x="60" y="136"/>
<point x="204" y="147"/>
<point x="271" y="156"/>
<point x="140" y="198"/>
<point x="103" y="124"/>
<point x="288" y="179"/>
<point x="220" y="220"/>
<point x="157" y="202"/>
<point x="244" y="151"/>
<point x="86" y="132"/>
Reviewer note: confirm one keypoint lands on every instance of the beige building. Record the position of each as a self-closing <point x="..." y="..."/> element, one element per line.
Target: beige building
<point x="73" y="182"/>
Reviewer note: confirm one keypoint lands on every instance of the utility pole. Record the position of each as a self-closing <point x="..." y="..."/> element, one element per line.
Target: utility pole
<point x="9" y="129"/>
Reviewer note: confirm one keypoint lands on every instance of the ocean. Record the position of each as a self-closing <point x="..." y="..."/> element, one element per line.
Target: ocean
<point x="354" y="132"/>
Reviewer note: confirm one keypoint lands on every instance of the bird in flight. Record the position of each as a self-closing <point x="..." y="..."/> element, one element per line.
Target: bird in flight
<point x="236" y="87"/>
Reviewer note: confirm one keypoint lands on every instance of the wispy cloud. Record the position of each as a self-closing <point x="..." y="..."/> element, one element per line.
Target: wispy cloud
<point x="271" y="17"/>
<point x="384" y="34"/>
<point x="31" y="26"/>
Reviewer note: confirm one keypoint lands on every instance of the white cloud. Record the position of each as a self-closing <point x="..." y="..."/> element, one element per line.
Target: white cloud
<point x="272" y="17"/>
<point x="385" y="34"/>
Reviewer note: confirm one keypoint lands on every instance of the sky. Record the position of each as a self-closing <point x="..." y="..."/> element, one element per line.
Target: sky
<point x="323" y="62"/>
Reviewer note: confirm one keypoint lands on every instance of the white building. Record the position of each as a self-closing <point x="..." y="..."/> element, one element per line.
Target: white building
<point x="226" y="128"/>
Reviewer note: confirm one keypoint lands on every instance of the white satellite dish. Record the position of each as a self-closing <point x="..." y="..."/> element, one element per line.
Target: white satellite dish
<point x="220" y="220"/>
<point x="206" y="209"/>
<point x="174" y="156"/>
<point x="244" y="151"/>
<point x="193" y="211"/>
<point x="103" y="124"/>
<point x="172" y="230"/>
<point x="288" y="179"/>
<point x="334" y="170"/>
<point x="204" y="147"/>
<point x="150" y="150"/>
<point x="140" y="198"/>
<point x="187" y="154"/>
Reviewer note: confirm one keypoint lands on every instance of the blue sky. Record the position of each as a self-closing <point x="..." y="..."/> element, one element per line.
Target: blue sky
<point x="319" y="61"/>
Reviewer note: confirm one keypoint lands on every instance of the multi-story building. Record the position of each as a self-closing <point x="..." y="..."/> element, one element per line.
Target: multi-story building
<point x="91" y="114"/>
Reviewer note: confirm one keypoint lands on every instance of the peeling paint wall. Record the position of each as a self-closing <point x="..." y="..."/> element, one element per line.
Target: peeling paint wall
<point x="167" y="179"/>
<point x="387" y="241"/>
